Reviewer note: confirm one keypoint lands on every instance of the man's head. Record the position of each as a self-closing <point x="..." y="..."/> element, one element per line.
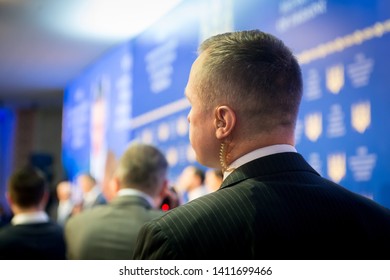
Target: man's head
<point x="64" y="190"/>
<point x="86" y="182"/>
<point x="213" y="179"/>
<point x="191" y="178"/>
<point x="27" y="190"/>
<point x="142" y="167"/>
<point x="245" y="89"/>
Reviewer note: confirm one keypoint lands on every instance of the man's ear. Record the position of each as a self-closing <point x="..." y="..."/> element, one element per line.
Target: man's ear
<point x="224" y="122"/>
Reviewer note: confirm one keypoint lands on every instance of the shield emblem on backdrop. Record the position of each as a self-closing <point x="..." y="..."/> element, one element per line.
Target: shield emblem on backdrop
<point x="361" y="116"/>
<point x="313" y="126"/>
<point x="336" y="166"/>
<point x="335" y="78"/>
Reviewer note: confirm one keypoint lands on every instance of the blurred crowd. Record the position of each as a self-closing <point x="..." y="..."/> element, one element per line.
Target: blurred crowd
<point x="78" y="221"/>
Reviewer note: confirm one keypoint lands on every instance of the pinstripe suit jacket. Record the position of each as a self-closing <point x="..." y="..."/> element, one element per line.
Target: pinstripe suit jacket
<point x="275" y="207"/>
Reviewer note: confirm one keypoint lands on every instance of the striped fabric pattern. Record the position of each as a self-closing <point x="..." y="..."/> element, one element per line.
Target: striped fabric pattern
<point x="275" y="207"/>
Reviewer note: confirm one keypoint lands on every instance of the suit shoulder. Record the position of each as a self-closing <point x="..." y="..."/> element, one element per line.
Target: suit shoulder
<point x="85" y="216"/>
<point x="209" y="208"/>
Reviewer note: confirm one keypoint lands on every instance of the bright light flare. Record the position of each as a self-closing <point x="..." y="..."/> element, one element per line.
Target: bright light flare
<point x="106" y="19"/>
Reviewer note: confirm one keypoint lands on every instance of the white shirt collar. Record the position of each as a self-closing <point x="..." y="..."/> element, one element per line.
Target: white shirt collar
<point x="262" y="152"/>
<point x="30" y="218"/>
<point x="127" y="191"/>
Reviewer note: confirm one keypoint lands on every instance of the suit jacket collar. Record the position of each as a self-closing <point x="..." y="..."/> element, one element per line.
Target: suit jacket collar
<point x="272" y="164"/>
<point x="131" y="199"/>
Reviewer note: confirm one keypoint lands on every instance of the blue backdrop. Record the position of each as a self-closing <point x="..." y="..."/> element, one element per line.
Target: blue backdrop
<point x="7" y="124"/>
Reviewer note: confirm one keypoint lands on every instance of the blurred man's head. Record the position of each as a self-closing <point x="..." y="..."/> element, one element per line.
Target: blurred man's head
<point x="86" y="182"/>
<point x="142" y="167"/>
<point x="27" y="190"/>
<point x="214" y="178"/>
<point x="64" y="190"/>
<point x="191" y="178"/>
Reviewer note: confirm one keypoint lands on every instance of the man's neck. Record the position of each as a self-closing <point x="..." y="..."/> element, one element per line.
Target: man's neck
<point x="258" y="153"/>
<point x="248" y="143"/>
<point x="20" y="210"/>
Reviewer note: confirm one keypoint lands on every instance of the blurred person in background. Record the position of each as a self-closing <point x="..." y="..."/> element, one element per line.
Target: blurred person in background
<point x="171" y="199"/>
<point x="213" y="179"/>
<point x="91" y="192"/>
<point x="102" y="158"/>
<point x="31" y="234"/>
<point x="191" y="182"/>
<point x="65" y="203"/>
<point x="110" y="231"/>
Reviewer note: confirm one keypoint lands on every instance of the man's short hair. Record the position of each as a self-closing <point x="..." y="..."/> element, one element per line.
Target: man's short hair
<point x="255" y="73"/>
<point x="26" y="187"/>
<point x="89" y="176"/>
<point x="142" y="166"/>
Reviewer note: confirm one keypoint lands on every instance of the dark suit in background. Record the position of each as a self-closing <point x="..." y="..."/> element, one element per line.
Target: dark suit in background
<point x="31" y="235"/>
<point x="37" y="241"/>
<point x="245" y="88"/>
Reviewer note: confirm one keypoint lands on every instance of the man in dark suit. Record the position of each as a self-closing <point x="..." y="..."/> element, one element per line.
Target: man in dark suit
<point x="31" y="235"/>
<point x="245" y="89"/>
<point x="110" y="231"/>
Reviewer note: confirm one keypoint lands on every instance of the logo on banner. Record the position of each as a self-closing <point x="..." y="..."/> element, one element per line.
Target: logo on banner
<point x="361" y="116"/>
<point x="336" y="167"/>
<point x="335" y="78"/>
<point x="163" y="132"/>
<point x="362" y="164"/>
<point x="313" y="126"/>
<point x="147" y="136"/>
<point x="336" y="125"/>
<point x="360" y="70"/>
<point x="172" y="156"/>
